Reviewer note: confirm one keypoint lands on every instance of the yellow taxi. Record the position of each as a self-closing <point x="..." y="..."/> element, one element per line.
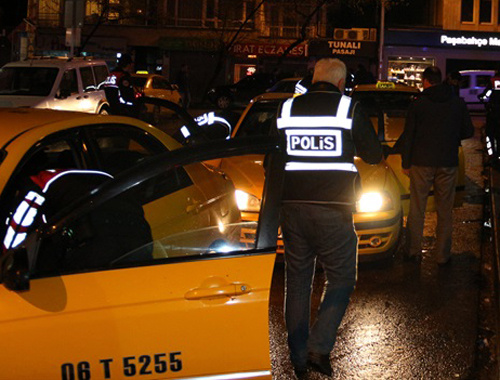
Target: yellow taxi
<point x="194" y="306"/>
<point x="378" y="219"/>
<point x="156" y="86"/>
<point x="386" y="104"/>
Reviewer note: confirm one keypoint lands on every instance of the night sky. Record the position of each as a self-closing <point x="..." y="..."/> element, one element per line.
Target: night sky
<point x="12" y="13"/>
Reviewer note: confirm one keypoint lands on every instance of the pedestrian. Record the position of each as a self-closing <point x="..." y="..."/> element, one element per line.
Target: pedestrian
<point x="183" y="85"/>
<point x="324" y="130"/>
<point x="436" y="123"/>
<point x="118" y="88"/>
<point x="453" y="79"/>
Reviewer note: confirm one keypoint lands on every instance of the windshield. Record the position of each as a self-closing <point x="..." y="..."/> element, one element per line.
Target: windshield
<point x="30" y="81"/>
<point x="260" y="119"/>
<point x="392" y="103"/>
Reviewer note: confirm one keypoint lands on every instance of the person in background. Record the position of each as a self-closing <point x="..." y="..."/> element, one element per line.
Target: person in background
<point x="453" y="79"/>
<point x="182" y="81"/>
<point x="118" y="88"/>
<point x="322" y="130"/>
<point x="436" y="122"/>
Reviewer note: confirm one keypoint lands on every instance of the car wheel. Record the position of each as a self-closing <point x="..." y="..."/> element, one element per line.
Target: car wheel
<point x="223" y="102"/>
<point x="104" y="111"/>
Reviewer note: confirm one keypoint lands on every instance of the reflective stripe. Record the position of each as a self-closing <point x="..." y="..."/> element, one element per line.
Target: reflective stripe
<point x="47" y="185"/>
<point x="13" y="239"/>
<point x="292" y="166"/>
<point x="242" y="375"/>
<point x="340" y="120"/>
<point x="300" y="89"/>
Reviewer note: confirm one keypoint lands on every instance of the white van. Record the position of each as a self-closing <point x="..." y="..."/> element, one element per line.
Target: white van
<point x="72" y="84"/>
<point x="473" y="84"/>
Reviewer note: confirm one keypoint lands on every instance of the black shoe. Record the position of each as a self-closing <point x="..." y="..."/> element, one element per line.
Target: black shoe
<point x="300" y="372"/>
<point x="320" y="363"/>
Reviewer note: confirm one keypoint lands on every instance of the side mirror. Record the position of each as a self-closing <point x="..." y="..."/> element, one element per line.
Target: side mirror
<point x="14" y="268"/>
<point x="217" y="131"/>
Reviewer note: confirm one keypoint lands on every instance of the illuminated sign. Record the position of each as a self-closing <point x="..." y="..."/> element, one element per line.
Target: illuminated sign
<point x="469" y="41"/>
<point x="268" y="49"/>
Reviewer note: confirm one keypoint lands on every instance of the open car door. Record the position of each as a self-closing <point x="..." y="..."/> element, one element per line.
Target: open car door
<point x="198" y="310"/>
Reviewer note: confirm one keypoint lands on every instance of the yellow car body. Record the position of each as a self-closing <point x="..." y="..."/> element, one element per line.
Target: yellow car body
<point x="156" y="86"/>
<point x="386" y="104"/>
<point x="378" y="230"/>
<point x="197" y="313"/>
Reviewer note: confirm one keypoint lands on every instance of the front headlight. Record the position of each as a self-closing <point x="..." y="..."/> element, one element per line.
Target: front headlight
<point x="247" y="202"/>
<point x="373" y="202"/>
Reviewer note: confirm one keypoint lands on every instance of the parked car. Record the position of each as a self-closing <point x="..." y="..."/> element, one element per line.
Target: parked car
<point x="472" y="85"/>
<point x="240" y="93"/>
<point x="156" y="86"/>
<point x="151" y="317"/>
<point x="286" y="85"/>
<point x="379" y="215"/>
<point x="71" y="84"/>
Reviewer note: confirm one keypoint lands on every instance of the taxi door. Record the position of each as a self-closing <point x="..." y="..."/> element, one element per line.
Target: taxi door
<point x="204" y="316"/>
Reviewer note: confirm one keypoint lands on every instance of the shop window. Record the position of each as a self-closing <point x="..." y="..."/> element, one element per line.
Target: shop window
<point x="408" y="70"/>
<point x="467" y="13"/>
<point x="485" y="11"/>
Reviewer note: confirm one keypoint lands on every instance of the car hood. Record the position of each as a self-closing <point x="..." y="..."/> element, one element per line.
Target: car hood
<point x="20" y="101"/>
<point x="247" y="173"/>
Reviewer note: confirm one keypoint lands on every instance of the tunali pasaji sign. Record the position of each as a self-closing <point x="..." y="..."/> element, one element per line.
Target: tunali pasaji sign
<point x="342" y="48"/>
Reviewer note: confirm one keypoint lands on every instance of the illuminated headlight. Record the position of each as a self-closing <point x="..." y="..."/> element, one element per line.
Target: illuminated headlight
<point x="247" y="202"/>
<point x="373" y="202"/>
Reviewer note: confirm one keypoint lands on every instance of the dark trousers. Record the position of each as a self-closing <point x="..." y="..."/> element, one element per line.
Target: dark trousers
<point x="314" y="231"/>
<point x="422" y="178"/>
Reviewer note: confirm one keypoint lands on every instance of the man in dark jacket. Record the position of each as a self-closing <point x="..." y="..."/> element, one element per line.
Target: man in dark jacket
<point x="323" y="130"/>
<point x="435" y="124"/>
<point x="119" y="90"/>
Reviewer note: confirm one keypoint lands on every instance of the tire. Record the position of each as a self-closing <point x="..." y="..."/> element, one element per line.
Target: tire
<point x="223" y="102"/>
<point x="104" y="111"/>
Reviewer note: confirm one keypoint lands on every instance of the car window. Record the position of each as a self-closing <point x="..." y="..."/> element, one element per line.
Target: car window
<point x="161" y="84"/>
<point x="260" y="119"/>
<point x="69" y="82"/>
<point x="101" y="73"/>
<point x="119" y="232"/>
<point x="30" y="81"/>
<point x="121" y="147"/>
<point x="87" y="76"/>
<point x="483" y="80"/>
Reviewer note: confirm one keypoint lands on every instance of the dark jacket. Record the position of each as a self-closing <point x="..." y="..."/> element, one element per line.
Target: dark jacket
<point x="435" y="124"/>
<point x="330" y="186"/>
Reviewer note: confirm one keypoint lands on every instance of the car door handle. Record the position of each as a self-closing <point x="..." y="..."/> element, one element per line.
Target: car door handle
<point x="192" y="206"/>
<point x="229" y="290"/>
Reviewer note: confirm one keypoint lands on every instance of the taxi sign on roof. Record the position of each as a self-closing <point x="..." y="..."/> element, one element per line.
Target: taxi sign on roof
<point x="386" y="85"/>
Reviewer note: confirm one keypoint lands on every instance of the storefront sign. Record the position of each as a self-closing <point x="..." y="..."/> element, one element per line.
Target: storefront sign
<point x="469" y="41"/>
<point x="343" y="48"/>
<point x="447" y="39"/>
<point x="268" y="49"/>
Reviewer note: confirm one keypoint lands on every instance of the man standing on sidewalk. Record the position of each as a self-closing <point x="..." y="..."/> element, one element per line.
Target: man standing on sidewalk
<point x="435" y="125"/>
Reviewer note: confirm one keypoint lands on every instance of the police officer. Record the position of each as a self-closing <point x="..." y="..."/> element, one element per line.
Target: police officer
<point x="119" y="90"/>
<point x="106" y="233"/>
<point x="324" y="130"/>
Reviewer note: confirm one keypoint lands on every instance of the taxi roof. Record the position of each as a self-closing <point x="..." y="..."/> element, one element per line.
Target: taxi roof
<point x="14" y="121"/>
<point x="386" y="86"/>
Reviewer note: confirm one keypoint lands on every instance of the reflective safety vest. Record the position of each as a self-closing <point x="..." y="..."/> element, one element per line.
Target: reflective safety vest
<point x="27" y="212"/>
<point x="316" y="143"/>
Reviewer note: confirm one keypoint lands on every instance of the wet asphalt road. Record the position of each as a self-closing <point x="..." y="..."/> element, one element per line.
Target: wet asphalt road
<point x="406" y="320"/>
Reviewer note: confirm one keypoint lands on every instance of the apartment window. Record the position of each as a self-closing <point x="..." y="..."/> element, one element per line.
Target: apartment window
<point x="49" y="13"/>
<point x="285" y="19"/>
<point x="485" y="11"/>
<point x="467" y="14"/>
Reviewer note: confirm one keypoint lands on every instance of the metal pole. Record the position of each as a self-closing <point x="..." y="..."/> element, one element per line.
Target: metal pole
<point x="381" y="40"/>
